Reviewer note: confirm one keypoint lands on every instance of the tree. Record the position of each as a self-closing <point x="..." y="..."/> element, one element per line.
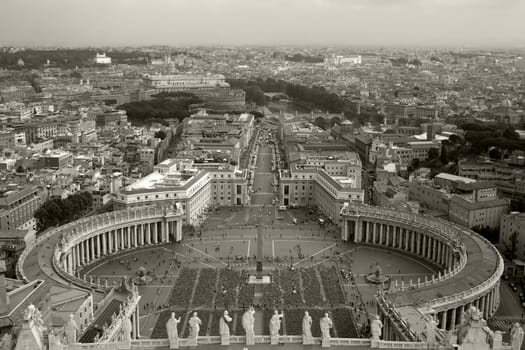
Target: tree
<point x="320" y="122"/>
<point x="443" y="155"/>
<point x="455" y="139"/>
<point x="510" y="134"/>
<point x="58" y="211"/>
<point x="161" y="134"/>
<point x="433" y="153"/>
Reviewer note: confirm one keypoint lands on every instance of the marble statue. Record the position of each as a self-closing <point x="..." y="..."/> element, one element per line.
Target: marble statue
<point x="498" y="340"/>
<point x="248" y="323"/>
<point x="195" y="326"/>
<point x="71" y="330"/>
<point x="474" y="334"/>
<point x="29" y="312"/>
<point x="275" y="323"/>
<point x="430" y="330"/>
<point x="307" y="329"/>
<point x="307" y="325"/>
<point x="375" y="328"/>
<point x="516" y="336"/>
<point x="224" y="329"/>
<point x="6" y="342"/>
<point x="173" y="333"/>
<point x="325" y="324"/>
<point x="126" y="329"/>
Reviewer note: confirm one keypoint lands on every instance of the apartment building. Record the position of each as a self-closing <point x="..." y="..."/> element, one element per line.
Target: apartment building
<point x="18" y="206"/>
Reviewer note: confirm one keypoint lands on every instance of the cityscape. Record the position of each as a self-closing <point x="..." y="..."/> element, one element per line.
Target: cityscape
<point x="251" y="174"/>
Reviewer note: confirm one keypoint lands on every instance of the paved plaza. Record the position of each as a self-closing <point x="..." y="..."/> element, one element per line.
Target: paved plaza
<point x="234" y="247"/>
<point x="310" y="267"/>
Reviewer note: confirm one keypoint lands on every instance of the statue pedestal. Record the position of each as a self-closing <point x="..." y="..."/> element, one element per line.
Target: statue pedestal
<point x="274" y="340"/>
<point x="472" y="346"/>
<point x="259" y="279"/>
<point x="325" y="343"/>
<point x="308" y="340"/>
<point x="125" y="345"/>
<point x="250" y="340"/>
<point x="174" y="344"/>
<point x="374" y="343"/>
<point x="192" y="342"/>
<point x="225" y="340"/>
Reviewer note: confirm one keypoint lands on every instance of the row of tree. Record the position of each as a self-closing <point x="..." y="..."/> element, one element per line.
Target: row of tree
<point x="66" y="58"/>
<point x="314" y="96"/>
<point x="173" y="105"/>
<point x="57" y="211"/>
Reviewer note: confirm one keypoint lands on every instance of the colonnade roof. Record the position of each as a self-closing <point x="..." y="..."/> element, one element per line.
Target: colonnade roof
<point x="482" y="262"/>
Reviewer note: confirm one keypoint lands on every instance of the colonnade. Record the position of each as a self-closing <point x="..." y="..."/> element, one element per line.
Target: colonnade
<point x="403" y="237"/>
<point x="90" y="247"/>
<point x="487" y="304"/>
<point x="422" y="237"/>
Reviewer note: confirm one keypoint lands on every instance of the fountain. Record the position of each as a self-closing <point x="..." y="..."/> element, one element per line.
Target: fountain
<point x="142" y="277"/>
<point x="377" y="277"/>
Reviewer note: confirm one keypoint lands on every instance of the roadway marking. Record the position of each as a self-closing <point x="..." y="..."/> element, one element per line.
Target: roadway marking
<point x="317" y="253"/>
<point x="403" y="256"/>
<point x="175" y="252"/>
<point x="205" y="254"/>
<point x="213" y="267"/>
<point x="103" y="261"/>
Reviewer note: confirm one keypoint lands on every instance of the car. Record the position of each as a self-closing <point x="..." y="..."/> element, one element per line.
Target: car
<point x="295" y="221"/>
<point x="515" y="288"/>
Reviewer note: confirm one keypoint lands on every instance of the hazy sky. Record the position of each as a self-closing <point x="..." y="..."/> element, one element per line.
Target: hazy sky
<point x="263" y="22"/>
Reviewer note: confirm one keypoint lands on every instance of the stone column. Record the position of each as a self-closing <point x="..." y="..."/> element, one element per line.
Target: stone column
<point x="146" y="233"/>
<point x="121" y="238"/>
<point x="178" y="229"/>
<point x="73" y="259"/>
<point x="97" y="246"/>
<point x="128" y="231"/>
<point x="69" y="263"/>
<point x="381" y="229"/>
<point x="81" y="250"/>
<point x="367" y="234"/>
<point x="444" y="320"/>
<point x="111" y="240"/>
<point x="439" y="248"/>
<point x="104" y="243"/>
<point x="155" y="233"/>
<point x="453" y="319"/>
<point x="344" y="230"/>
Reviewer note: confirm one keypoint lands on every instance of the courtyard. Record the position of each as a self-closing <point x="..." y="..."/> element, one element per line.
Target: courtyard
<point x="310" y="268"/>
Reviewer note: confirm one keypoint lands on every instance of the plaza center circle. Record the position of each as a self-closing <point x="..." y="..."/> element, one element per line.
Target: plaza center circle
<point x="311" y="269"/>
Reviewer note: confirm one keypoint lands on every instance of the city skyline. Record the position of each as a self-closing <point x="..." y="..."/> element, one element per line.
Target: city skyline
<point x="441" y="23"/>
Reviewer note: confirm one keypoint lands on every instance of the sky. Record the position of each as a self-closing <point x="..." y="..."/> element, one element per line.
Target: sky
<point x="386" y="23"/>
